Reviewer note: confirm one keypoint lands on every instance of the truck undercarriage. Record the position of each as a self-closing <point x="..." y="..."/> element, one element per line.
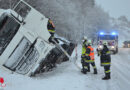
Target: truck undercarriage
<point x="56" y="56"/>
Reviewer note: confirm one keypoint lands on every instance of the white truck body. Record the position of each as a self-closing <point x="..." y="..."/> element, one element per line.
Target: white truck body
<point x="28" y="44"/>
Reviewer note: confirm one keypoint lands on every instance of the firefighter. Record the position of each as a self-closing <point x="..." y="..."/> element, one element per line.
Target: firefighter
<point x="105" y="60"/>
<point x="84" y="45"/>
<point x="51" y="29"/>
<point x="90" y="57"/>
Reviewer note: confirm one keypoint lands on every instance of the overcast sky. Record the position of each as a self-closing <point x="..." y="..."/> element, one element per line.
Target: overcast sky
<point x="116" y="8"/>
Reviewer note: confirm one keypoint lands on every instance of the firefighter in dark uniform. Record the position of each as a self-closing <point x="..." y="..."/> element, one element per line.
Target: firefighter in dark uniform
<point x="51" y="29"/>
<point x="105" y="60"/>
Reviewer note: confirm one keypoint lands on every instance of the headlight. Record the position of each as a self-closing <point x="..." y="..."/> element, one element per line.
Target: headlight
<point x="100" y="47"/>
<point x="112" y="47"/>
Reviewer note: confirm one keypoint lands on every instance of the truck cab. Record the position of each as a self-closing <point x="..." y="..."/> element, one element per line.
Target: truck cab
<point x="111" y="39"/>
<point x="24" y="45"/>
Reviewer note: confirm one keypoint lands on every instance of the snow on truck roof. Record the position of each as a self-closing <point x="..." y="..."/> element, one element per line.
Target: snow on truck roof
<point x="4" y="11"/>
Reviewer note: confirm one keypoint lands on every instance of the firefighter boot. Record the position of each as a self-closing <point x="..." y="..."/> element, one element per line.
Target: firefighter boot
<point x="95" y="71"/>
<point x="107" y="77"/>
<point x="83" y="71"/>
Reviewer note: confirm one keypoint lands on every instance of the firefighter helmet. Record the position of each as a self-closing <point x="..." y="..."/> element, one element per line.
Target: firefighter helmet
<point x="84" y="38"/>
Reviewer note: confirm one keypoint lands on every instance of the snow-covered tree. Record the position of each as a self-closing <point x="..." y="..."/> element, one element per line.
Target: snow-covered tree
<point x="123" y="18"/>
<point x="73" y="18"/>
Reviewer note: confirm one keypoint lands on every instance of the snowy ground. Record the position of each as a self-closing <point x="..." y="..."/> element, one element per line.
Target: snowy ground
<point x="68" y="77"/>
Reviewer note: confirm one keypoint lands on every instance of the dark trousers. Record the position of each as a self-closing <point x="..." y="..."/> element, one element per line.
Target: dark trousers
<point x="107" y="70"/>
<point x="86" y="66"/>
<point x="93" y="65"/>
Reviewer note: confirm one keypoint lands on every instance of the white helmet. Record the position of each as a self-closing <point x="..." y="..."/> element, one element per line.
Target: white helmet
<point x="84" y="38"/>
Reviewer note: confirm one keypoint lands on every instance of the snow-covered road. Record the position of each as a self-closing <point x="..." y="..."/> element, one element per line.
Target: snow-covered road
<point x="68" y="77"/>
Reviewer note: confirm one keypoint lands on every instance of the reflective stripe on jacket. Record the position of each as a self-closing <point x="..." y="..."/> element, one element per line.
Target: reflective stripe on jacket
<point x="89" y="61"/>
<point x="106" y="64"/>
<point x="52" y="31"/>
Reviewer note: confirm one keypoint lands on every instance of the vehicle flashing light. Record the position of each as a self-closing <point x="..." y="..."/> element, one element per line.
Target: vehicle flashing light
<point x="101" y="33"/>
<point x="113" y="33"/>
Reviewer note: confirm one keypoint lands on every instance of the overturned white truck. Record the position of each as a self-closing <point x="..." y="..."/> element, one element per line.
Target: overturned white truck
<point x="24" y="45"/>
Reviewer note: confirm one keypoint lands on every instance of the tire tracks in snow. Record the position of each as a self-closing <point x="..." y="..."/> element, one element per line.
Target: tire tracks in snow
<point x="105" y="84"/>
<point x="122" y="72"/>
<point x="121" y="80"/>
